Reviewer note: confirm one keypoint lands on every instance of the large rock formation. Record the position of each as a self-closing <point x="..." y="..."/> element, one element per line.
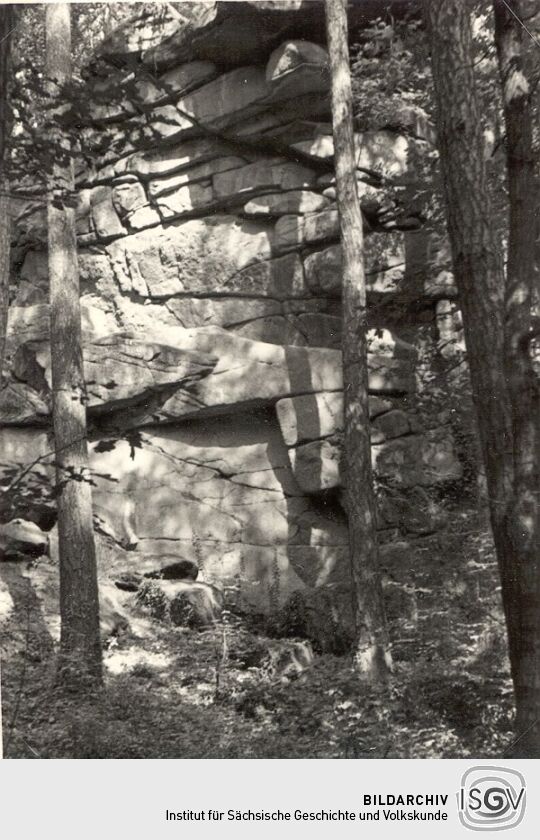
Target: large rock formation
<point x="211" y="272"/>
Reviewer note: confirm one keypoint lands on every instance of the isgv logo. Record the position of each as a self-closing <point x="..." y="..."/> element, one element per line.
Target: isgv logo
<point x="491" y="798"/>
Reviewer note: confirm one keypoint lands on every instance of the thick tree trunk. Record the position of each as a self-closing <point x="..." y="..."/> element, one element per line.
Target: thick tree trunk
<point x="80" y="647"/>
<point x="372" y="650"/>
<point x="6" y="26"/>
<point x="492" y="349"/>
<point x="522" y="383"/>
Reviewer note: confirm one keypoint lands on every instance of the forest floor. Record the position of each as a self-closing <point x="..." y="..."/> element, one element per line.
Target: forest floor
<point x="209" y="694"/>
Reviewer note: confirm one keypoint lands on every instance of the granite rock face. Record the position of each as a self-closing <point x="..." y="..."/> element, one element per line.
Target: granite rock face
<point x="210" y="270"/>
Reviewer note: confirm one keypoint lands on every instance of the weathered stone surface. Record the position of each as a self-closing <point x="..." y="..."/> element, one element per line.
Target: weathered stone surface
<point x="414" y="460"/>
<point x="142" y="218"/>
<point x="184" y="603"/>
<point x="269" y="174"/>
<point x="323" y="270"/>
<point x="20" y="538"/>
<point x="309" y="323"/>
<point x="104" y="216"/>
<point x="311" y="417"/>
<point x="44" y="580"/>
<point x="194" y="174"/>
<point x="379" y="204"/>
<point x="250" y="372"/>
<point x="158" y="567"/>
<point x="197" y="159"/>
<point x="294" y="232"/>
<point x="240" y="94"/>
<point x="380" y="152"/>
<point x="293" y="54"/>
<point x="127" y="197"/>
<point x="28" y="324"/>
<point x="107" y="106"/>
<point x="283" y="203"/>
<point x="22" y="446"/>
<point x="281" y="278"/>
<point x="221" y="312"/>
<point x="21" y="405"/>
<point x="307" y="418"/>
<point x="210" y="31"/>
<point x="84" y="224"/>
<point x="316" y="465"/>
<point x="384" y="263"/>
<point x="185" y="200"/>
<point x="217" y="105"/>
<point x="378" y="406"/>
<point x="34" y="276"/>
<point x="181" y="80"/>
<point x="202" y="487"/>
<point x="198" y="256"/>
<point x="122" y="370"/>
<point x="266" y="126"/>
<point x="256" y="372"/>
<point x="223" y="496"/>
<point x="296" y="68"/>
<point x="29" y="222"/>
<point x="178" y="372"/>
<point x="213" y="334"/>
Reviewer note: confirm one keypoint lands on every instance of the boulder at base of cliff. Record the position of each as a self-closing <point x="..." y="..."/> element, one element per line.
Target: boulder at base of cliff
<point x="183" y="602"/>
<point x="20" y="539"/>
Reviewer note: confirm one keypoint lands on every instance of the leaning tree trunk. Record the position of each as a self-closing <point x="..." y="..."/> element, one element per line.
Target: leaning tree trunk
<point x="80" y="647"/>
<point x="372" y="654"/>
<point x="6" y="27"/>
<point x="521" y="379"/>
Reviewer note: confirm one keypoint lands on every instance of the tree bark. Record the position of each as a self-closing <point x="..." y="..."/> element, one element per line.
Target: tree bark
<point x="522" y="383"/>
<point x="492" y="340"/>
<point x="6" y="27"/>
<point x="372" y="655"/>
<point x="80" y="646"/>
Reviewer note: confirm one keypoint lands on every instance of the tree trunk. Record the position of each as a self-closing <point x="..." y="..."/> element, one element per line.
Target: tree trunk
<point x="494" y="352"/>
<point x="80" y="647"/>
<point x="521" y="380"/>
<point x="6" y="27"/>
<point x="372" y="654"/>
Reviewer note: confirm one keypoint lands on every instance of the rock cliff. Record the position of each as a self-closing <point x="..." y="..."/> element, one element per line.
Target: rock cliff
<point x="210" y="274"/>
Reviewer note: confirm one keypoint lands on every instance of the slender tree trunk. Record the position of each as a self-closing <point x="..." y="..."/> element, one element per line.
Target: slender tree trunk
<point x="6" y="26"/>
<point x="372" y="650"/>
<point x="80" y="647"/>
<point x="522" y="382"/>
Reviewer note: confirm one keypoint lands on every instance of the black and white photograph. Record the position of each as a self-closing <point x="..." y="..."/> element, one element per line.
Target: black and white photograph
<point x="270" y="380"/>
